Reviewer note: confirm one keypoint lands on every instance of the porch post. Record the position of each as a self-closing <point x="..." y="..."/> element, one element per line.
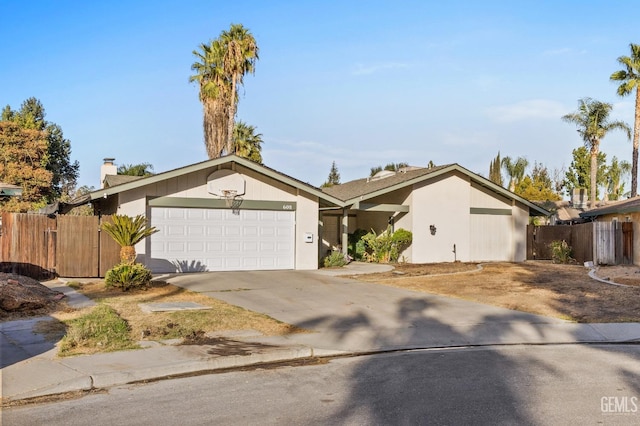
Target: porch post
<point x="345" y="231"/>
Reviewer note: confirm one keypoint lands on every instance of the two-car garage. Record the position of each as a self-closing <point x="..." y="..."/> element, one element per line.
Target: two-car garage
<point x="201" y="239"/>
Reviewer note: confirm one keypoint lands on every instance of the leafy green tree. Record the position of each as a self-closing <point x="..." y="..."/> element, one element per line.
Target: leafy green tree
<point x="629" y="79"/>
<point x="616" y="173"/>
<point x="333" y="178"/>
<point x="392" y="167"/>
<point x="515" y="170"/>
<point x="247" y="143"/>
<point x="23" y="152"/>
<point x="495" y="170"/>
<point x="592" y="121"/>
<point x="579" y="172"/>
<point x="142" y="169"/>
<point x="538" y="186"/>
<point x="64" y="172"/>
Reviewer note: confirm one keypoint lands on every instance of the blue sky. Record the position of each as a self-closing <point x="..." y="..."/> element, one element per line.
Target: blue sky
<point x="358" y="83"/>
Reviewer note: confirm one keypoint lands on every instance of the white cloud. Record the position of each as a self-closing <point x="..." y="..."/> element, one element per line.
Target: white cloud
<point x="361" y="69"/>
<point x="526" y="110"/>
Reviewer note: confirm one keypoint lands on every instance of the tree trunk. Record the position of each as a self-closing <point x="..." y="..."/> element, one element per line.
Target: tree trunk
<point x="593" y="173"/>
<point x="128" y="254"/>
<point x="634" y="158"/>
<point x="232" y="116"/>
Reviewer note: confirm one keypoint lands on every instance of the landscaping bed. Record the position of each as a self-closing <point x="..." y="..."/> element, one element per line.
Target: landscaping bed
<point x="561" y="291"/>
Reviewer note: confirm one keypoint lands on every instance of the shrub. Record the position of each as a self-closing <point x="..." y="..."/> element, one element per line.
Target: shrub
<point x="387" y="246"/>
<point x="335" y="259"/>
<point x="126" y="276"/>
<point x="561" y="252"/>
<point x="128" y="231"/>
<point x="357" y="247"/>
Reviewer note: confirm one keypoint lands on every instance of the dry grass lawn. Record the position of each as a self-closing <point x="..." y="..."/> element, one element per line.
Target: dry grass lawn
<point x="172" y="325"/>
<point x="562" y="291"/>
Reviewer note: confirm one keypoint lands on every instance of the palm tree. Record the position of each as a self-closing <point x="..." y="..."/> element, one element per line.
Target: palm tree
<point x="515" y="170"/>
<point x="630" y="81"/>
<point x="214" y="95"/>
<point x="246" y="142"/>
<point x="240" y="53"/>
<point x="128" y="231"/>
<point x="142" y="169"/>
<point x="592" y="120"/>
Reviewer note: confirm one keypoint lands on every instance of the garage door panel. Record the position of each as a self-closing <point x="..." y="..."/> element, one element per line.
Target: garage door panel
<point x="218" y="239"/>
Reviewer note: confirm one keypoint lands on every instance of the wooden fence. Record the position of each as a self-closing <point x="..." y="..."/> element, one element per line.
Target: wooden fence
<point x="42" y="247"/>
<point x="604" y="243"/>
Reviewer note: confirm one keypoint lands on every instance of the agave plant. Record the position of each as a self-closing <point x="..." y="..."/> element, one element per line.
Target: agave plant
<point x="128" y="231"/>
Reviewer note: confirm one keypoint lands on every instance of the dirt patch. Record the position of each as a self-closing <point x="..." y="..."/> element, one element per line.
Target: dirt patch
<point x="222" y="346"/>
<point x="627" y="275"/>
<point x="561" y="291"/>
<point x="22" y="297"/>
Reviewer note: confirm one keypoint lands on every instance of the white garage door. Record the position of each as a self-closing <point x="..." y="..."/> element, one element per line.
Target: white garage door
<point x="193" y="240"/>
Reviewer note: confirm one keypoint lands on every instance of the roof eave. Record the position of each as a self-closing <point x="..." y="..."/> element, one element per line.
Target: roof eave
<point x="453" y="167"/>
<point x="106" y="192"/>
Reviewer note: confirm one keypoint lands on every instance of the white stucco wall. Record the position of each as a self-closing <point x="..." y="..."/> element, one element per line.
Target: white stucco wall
<point x="443" y="202"/>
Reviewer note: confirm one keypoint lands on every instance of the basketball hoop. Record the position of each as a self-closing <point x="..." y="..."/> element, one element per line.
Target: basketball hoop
<point x="229" y="196"/>
<point x="232" y="200"/>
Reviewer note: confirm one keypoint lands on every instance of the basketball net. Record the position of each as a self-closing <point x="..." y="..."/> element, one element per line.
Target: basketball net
<point x="232" y="200"/>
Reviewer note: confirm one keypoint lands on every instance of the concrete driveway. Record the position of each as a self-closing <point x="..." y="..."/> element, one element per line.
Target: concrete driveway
<point x="350" y="315"/>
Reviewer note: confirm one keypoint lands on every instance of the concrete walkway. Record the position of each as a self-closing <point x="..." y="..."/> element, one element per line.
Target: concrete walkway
<point x="345" y="317"/>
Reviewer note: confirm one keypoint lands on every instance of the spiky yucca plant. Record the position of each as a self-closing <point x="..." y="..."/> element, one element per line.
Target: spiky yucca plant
<point x="128" y="231"/>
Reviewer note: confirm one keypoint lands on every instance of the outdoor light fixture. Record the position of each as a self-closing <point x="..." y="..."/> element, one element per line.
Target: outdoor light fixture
<point x="432" y="228"/>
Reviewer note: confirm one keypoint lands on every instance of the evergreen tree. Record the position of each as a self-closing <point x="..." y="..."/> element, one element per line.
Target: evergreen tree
<point x="334" y="177"/>
<point x="495" y="170"/>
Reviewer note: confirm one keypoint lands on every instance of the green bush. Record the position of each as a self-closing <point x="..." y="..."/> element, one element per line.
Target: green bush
<point x="127" y="276"/>
<point x="357" y="247"/>
<point x="387" y="246"/>
<point x="335" y="259"/>
<point x="561" y="252"/>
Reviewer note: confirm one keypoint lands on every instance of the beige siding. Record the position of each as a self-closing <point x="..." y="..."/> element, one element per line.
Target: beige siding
<point x="443" y="203"/>
<point x="306" y="222"/>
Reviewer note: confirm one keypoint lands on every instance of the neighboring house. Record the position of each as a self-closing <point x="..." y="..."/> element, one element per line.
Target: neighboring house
<point x="454" y="214"/>
<point x="620" y="211"/>
<point x="230" y="213"/>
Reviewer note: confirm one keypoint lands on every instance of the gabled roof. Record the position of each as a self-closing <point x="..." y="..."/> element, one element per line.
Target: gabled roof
<point x="364" y="189"/>
<point x="325" y="199"/>
<point x="114" y="180"/>
<point x="625" y="206"/>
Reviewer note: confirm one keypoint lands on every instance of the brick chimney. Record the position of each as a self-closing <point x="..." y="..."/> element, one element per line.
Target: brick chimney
<point x="107" y="168"/>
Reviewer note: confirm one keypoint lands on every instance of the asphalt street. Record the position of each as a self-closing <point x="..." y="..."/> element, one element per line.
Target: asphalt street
<point x="518" y="384"/>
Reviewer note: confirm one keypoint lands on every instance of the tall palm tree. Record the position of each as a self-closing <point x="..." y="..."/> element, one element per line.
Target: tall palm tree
<point x="214" y="95"/>
<point x="630" y="81"/>
<point x="240" y="53"/>
<point x="246" y="143"/>
<point x="515" y="170"/>
<point x="592" y="120"/>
